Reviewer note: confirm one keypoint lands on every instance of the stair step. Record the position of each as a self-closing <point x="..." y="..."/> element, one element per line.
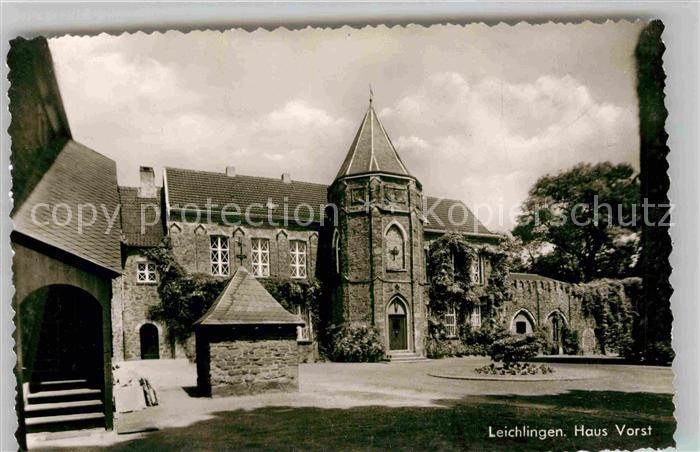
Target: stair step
<point x="63" y="395"/>
<point x="403" y="357"/>
<point x="63" y="418"/>
<point x="61" y="408"/>
<point x="38" y="386"/>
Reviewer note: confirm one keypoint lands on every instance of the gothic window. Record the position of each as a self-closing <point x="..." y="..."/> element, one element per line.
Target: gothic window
<point x="219" y="252"/>
<point x="521" y="327"/>
<point x="451" y="322"/>
<point x="475" y="318"/>
<point x="477" y="270"/>
<point x="297" y="249"/>
<point x="336" y="249"/>
<point x="395" y="249"/>
<point x="260" y="249"/>
<point x="146" y="272"/>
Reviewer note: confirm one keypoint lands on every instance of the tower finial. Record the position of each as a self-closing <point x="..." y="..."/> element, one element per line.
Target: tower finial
<point x="371" y="95"/>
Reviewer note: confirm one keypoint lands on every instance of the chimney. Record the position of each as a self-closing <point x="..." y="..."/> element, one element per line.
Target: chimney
<point x="231" y="171"/>
<point x="286" y="178"/>
<point x="148" y="182"/>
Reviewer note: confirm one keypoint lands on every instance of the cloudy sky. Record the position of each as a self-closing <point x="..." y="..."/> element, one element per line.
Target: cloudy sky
<point x="477" y="113"/>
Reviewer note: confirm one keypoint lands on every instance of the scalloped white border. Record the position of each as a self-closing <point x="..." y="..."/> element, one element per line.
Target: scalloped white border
<point x="680" y="62"/>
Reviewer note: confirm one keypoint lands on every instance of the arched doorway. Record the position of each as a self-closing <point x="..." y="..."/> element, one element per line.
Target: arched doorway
<point x="557" y="323"/>
<point x="148" y="334"/>
<point x="398" y="325"/>
<point x="62" y="335"/>
<point x="522" y="322"/>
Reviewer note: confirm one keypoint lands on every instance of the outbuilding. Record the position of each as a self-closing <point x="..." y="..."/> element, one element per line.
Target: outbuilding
<point x="246" y="342"/>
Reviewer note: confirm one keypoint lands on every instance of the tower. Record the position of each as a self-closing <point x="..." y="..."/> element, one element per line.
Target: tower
<point x="378" y="241"/>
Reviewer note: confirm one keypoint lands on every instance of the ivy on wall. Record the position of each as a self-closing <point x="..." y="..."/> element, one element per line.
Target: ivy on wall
<point x="610" y="303"/>
<point x="184" y="297"/>
<point x="290" y="293"/>
<point x="450" y="281"/>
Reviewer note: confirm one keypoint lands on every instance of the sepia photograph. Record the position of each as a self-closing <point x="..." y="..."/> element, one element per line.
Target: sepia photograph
<point x="446" y="237"/>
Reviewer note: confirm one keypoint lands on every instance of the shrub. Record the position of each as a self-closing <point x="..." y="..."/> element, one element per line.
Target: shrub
<point x="660" y="352"/>
<point x="570" y="342"/>
<point x="478" y="341"/>
<point x="360" y="344"/>
<point x="515" y="348"/>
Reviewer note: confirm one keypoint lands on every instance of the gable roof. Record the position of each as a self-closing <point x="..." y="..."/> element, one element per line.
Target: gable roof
<point x="192" y="188"/>
<point x="189" y="188"/>
<point x="372" y="151"/>
<point x="131" y="205"/>
<point x="452" y="215"/>
<point x="78" y="176"/>
<point x="244" y="301"/>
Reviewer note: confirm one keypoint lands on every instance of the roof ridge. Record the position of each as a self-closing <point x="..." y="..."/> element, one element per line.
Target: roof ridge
<point x="269" y="178"/>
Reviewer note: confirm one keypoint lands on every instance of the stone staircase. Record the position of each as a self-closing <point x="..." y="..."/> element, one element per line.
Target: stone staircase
<point x="405" y="357"/>
<point x="60" y="405"/>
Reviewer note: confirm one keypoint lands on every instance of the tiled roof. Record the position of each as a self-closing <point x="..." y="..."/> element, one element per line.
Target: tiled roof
<point x="372" y="151"/>
<point x="193" y="188"/>
<point x="78" y="176"/>
<point x="244" y="301"/>
<point x="131" y="205"/>
<point x="445" y="215"/>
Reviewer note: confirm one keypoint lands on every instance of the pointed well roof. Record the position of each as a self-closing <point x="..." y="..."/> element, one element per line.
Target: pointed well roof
<point x="244" y="301"/>
<point x="372" y="151"/>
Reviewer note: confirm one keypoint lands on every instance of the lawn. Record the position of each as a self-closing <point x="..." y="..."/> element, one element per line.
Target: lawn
<point x="454" y="424"/>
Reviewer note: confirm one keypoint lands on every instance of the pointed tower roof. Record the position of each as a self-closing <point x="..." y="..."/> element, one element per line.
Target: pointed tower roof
<point x="244" y="301"/>
<point x="372" y="151"/>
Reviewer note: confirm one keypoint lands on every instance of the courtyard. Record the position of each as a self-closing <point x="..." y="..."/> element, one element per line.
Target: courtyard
<point x="397" y="405"/>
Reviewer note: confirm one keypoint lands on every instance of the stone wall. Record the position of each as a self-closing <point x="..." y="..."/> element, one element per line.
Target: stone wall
<point x="538" y="298"/>
<point x="191" y="246"/>
<point x="236" y="361"/>
<point x="131" y="311"/>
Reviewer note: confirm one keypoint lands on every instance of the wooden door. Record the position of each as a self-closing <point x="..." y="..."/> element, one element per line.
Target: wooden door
<point x="397" y="332"/>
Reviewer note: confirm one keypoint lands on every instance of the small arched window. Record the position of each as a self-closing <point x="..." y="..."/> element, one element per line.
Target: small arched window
<point x="394" y="248"/>
<point x="336" y="250"/>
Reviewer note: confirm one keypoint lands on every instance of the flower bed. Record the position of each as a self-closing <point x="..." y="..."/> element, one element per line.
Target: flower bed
<point x="515" y="369"/>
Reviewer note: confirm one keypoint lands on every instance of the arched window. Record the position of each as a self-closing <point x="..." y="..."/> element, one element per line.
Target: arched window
<point x="394" y="248"/>
<point x="336" y="250"/>
<point x="148" y="333"/>
<point x="522" y="323"/>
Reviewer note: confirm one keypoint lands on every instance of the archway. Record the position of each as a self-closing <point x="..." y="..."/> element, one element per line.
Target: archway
<point x="62" y="335"/>
<point x="148" y="334"/>
<point x="557" y="322"/>
<point x="398" y="325"/>
<point x="522" y="322"/>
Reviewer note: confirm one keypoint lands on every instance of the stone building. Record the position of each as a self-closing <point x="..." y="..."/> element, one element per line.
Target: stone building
<point x="247" y="342"/>
<point x="366" y="235"/>
<point x="90" y="286"/>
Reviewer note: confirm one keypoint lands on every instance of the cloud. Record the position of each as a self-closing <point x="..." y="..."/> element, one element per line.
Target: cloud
<point x="499" y="136"/>
<point x="297" y="114"/>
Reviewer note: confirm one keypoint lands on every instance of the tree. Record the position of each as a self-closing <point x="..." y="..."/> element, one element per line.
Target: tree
<point x="584" y="223"/>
